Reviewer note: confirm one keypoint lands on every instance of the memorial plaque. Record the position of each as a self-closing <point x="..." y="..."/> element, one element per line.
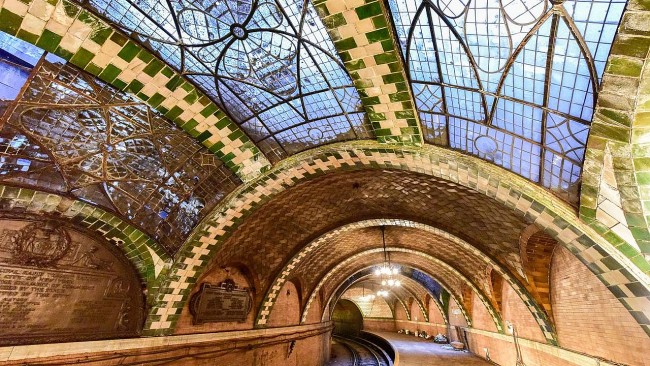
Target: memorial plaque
<point x="58" y="284"/>
<point x="223" y="302"/>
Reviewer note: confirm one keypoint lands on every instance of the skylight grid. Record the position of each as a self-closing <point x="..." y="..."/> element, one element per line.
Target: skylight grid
<point x="263" y="54"/>
<point x="514" y="67"/>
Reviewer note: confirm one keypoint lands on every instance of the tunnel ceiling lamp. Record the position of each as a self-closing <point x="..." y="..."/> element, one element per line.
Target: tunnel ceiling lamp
<point x="386" y="271"/>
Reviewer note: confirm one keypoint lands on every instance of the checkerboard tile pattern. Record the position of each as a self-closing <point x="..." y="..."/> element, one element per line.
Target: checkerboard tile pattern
<point x="67" y="30"/>
<point x="468" y="260"/>
<point x="148" y="258"/>
<point x="365" y="42"/>
<point x="620" y="128"/>
<point x="621" y="276"/>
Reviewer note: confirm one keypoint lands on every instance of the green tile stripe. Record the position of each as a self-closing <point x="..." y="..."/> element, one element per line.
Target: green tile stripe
<point x="135" y="244"/>
<point x="365" y="42"/>
<point x="455" y="294"/>
<point x="292" y="265"/>
<point x="73" y="33"/>
<point x="622" y="125"/>
<point x="623" y="277"/>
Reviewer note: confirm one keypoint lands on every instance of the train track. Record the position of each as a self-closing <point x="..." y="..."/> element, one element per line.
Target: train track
<point x="364" y="353"/>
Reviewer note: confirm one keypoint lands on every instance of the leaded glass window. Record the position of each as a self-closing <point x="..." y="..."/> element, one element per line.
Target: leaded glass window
<point x="70" y="133"/>
<point x="269" y="64"/>
<point x="512" y="81"/>
<point x="17" y="59"/>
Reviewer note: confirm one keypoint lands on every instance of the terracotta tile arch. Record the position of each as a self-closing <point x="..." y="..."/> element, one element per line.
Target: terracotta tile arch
<point x="400" y="295"/>
<point x="416" y="287"/>
<point x="619" y="132"/>
<point x="405" y="289"/>
<point x="367" y="272"/>
<point x="336" y="275"/>
<point x="451" y="285"/>
<point x="537" y="249"/>
<point x="559" y="220"/>
<point x="321" y="250"/>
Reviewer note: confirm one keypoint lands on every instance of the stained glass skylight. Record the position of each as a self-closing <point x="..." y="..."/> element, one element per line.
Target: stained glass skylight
<point x="70" y="133"/>
<point x="17" y="59"/>
<point x="269" y="64"/>
<point x="512" y="81"/>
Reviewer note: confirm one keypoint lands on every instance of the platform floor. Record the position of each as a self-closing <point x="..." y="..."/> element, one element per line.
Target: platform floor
<point x="418" y="352"/>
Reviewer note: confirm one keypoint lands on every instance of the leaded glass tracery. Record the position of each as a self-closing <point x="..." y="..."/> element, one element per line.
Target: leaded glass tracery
<point x="70" y="133"/>
<point x="512" y="81"/>
<point x="268" y="63"/>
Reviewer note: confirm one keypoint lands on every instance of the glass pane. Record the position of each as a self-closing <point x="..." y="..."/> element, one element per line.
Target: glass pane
<point x="72" y="134"/>
<point x="487" y="70"/>
<point x="266" y="62"/>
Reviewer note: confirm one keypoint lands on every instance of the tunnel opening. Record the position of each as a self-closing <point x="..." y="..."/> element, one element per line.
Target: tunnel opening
<point x="347" y="318"/>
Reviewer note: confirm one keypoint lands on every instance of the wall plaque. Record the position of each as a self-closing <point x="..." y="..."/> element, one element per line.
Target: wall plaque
<point x="223" y="302"/>
<point x="58" y="284"/>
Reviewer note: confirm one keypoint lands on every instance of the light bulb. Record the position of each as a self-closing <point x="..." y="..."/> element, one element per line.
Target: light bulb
<point x="398" y="283"/>
<point x="395" y="271"/>
<point x="383" y="282"/>
<point x="391" y="282"/>
<point x="377" y="272"/>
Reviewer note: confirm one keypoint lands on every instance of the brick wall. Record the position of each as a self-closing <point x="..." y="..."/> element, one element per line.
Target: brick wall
<point x="286" y="310"/>
<point x="400" y="313"/>
<point x="515" y="311"/>
<point x="589" y="318"/>
<point x="481" y="318"/>
<point x="435" y="316"/>
<point x="455" y="319"/>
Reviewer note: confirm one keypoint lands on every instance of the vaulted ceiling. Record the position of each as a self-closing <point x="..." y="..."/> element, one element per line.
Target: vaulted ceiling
<point x="280" y="135"/>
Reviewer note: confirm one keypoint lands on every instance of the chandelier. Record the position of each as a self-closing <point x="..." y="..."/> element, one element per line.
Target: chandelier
<point x="386" y="271"/>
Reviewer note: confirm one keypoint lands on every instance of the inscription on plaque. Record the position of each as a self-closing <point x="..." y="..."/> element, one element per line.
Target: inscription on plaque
<point x="57" y="285"/>
<point x="223" y="302"/>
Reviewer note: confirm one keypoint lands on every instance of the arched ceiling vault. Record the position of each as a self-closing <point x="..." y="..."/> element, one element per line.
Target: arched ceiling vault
<point x="466" y="174"/>
<point x="401" y="294"/>
<point x="368" y="280"/>
<point x="90" y="43"/>
<point x="452" y="282"/>
<point x="416" y="284"/>
<point x="323" y="253"/>
<point x="367" y="272"/>
<point x="86" y="41"/>
<point x="445" y="274"/>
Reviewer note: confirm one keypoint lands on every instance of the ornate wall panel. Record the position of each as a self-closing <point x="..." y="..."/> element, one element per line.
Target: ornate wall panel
<point x="68" y="132"/>
<point x="59" y="284"/>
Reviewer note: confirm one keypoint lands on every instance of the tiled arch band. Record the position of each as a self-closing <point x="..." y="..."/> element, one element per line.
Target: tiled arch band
<point x="287" y="271"/>
<point x="612" y="267"/>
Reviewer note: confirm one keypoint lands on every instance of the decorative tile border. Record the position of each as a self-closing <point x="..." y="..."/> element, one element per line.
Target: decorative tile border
<point x="365" y="42"/>
<point x="625" y="279"/>
<point x="289" y="268"/>
<point x="73" y="33"/>
<point x="148" y="258"/>
<point x="621" y="127"/>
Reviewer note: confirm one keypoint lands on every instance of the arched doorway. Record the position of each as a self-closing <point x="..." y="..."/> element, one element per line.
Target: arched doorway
<point x="347" y="318"/>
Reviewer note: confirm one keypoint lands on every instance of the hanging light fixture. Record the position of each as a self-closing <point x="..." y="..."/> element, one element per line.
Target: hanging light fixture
<point x="368" y="297"/>
<point x="386" y="271"/>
